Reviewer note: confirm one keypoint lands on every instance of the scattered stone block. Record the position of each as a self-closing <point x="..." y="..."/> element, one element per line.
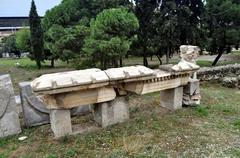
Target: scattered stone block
<point x="230" y="82"/>
<point x="61" y="124"/>
<point x="113" y="112"/>
<point x="191" y="93"/>
<point x="9" y="119"/>
<point x="171" y="98"/>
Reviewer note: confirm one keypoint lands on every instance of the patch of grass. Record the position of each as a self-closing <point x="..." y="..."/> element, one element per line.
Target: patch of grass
<point x="236" y="152"/>
<point x="50" y="156"/>
<point x="71" y="152"/>
<point x="202" y="111"/>
<point x="152" y="131"/>
<point x="237" y="124"/>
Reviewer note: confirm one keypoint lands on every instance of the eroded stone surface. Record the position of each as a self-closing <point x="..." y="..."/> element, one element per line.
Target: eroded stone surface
<point x="69" y="79"/>
<point x="189" y="55"/>
<point x="128" y="72"/>
<point x="78" y="98"/>
<point x="9" y="120"/>
<point x="191" y="93"/>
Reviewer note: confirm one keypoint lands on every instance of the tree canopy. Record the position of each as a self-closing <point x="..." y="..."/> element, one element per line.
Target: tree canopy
<point x="23" y="42"/>
<point x="111" y="36"/>
<point x="164" y="25"/>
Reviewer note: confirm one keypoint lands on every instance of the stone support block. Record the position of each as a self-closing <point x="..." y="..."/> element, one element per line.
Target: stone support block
<point x="172" y="98"/>
<point x="61" y="124"/>
<point x="9" y="119"/>
<point x="191" y="93"/>
<point x="113" y="112"/>
<point x="193" y="87"/>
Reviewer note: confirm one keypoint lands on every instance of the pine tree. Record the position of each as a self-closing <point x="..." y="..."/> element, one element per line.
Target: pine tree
<point x="36" y="35"/>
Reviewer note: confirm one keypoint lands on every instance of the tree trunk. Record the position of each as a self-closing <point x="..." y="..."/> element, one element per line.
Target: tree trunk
<point x="52" y="62"/>
<point x="167" y="56"/>
<point x="120" y="62"/>
<point x="218" y="57"/>
<point x="159" y="60"/>
<point x="38" y="64"/>
<point x="145" y="62"/>
<point x="221" y="49"/>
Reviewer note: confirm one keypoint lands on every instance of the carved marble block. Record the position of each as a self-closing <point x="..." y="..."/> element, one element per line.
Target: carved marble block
<point x="9" y="119"/>
<point x="34" y="110"/>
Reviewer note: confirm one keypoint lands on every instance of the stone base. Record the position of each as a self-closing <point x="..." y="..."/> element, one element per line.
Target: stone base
<point x="34" y="110"/>
<point x="172" y="98"/>
<point x="191" y="93"/>
<point x="193" y="87"/>
<point x="61" y="124"/>
<point x="113" y="112"/>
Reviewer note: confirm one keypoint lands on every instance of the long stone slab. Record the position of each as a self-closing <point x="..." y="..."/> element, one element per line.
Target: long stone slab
<point x="78" y="98"/>
<point x="9" y="119"/>
<point x="79" y="79"/>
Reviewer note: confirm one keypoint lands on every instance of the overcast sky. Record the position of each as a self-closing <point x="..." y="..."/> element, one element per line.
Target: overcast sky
<point x="22" y="7"/>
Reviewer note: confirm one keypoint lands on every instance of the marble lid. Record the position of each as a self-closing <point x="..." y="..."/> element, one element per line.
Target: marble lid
<point x="128" y="72"/>
<point x="69" y="79"/>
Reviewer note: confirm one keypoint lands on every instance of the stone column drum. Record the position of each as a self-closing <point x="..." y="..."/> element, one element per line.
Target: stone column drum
<point x="9" y="119"/>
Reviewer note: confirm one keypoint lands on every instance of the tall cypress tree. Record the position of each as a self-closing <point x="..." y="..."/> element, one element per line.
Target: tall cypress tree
<point x="36" y="35"/>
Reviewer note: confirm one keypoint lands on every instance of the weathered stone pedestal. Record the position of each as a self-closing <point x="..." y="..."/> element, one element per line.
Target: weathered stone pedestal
<point x="112" y="112"/>
<point x="34" y="110"/>
<point x="191" y="93"/>
<point x="61" y="124"/>
<point x="9" y="120"/>
<point x="171" y="98"/>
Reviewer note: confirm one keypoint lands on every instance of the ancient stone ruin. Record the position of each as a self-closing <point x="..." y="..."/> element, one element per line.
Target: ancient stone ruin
<point x="55" y="98"/>
<point x="108" y="90"/>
